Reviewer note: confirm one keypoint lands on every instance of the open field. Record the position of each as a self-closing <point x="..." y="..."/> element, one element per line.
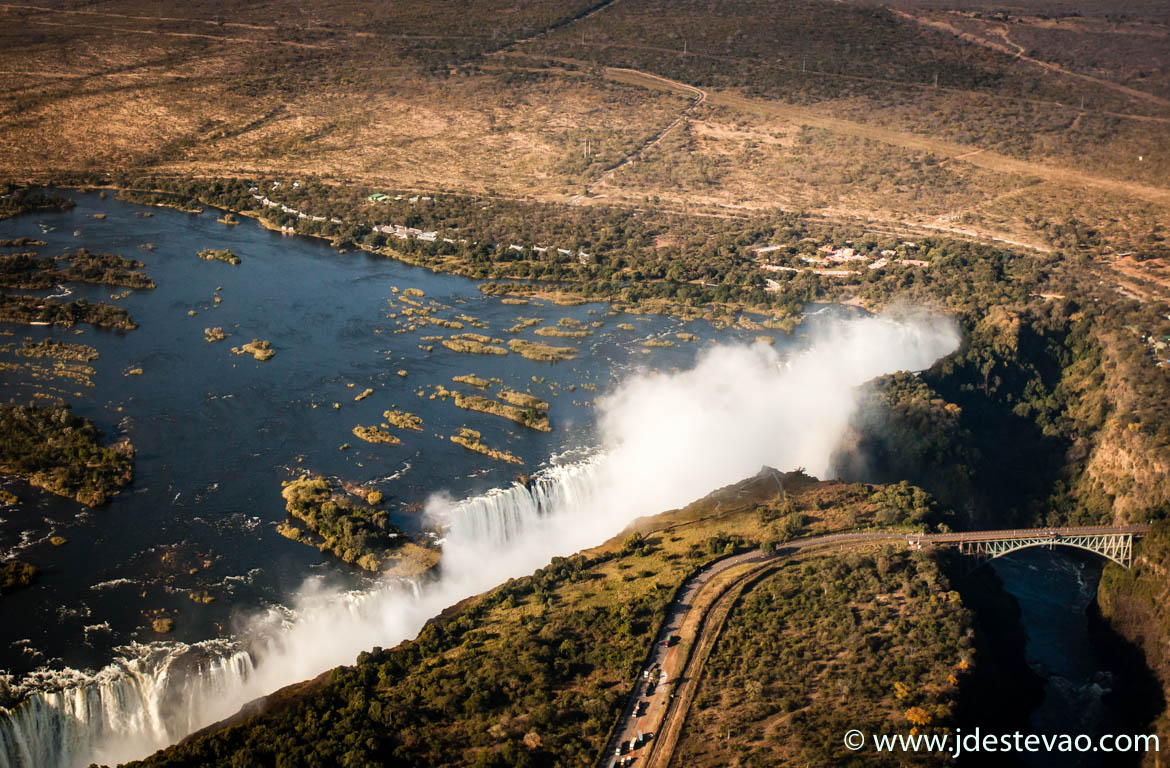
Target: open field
<point x="916" y="119"/>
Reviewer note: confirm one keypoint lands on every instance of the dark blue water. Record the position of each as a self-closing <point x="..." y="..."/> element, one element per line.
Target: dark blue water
<point x="216" y="434"/>
<point x="1054" y="589"/>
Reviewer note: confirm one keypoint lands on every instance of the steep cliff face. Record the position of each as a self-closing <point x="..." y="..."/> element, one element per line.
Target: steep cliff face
<point x="1129" y="467"/>
<point x="1123" y="467"/>
<point x="1130" y="460"/>
<point x="905" y="430"/>
<point x="1137" y="605"/>
<point x="1043" y="417"/>
<point x="1001" y="430"/>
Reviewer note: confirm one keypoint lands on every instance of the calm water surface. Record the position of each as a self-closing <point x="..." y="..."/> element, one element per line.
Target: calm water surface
<point x="216" y="434"/>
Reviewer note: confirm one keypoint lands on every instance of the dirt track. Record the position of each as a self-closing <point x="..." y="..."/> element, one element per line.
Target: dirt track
<point x="953" y="151"/>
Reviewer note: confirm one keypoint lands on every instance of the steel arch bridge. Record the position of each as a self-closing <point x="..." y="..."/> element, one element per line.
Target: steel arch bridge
<point x="1111" y="542"/>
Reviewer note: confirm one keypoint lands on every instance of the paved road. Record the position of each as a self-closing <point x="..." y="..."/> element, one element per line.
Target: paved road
<point x="686" y="616"/>
<point x="669" y="660"/>
<point x="696" y="615"/>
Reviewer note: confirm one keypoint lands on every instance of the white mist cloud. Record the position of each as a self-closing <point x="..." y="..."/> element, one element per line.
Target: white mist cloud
<point x="675" y="438"/>
<point x="664" y="440"/>
<point x="668" y="439"/>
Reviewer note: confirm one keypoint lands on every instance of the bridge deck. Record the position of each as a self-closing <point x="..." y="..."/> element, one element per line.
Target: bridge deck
<point x="1030" y="533"/>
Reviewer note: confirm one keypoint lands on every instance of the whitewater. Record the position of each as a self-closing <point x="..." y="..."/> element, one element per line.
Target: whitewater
<point x="661" y="440"/>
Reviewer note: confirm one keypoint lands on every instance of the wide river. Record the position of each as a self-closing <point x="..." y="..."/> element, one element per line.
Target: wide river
<point x="217" y="433"/>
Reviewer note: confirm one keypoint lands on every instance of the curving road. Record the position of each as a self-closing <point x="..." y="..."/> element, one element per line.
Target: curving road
<point x="697" y="615"/>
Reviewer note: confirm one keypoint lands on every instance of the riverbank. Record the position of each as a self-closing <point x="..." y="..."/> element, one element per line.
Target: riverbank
<point x="564" y="292"/>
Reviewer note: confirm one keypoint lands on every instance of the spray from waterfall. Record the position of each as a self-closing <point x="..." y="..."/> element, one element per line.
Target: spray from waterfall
<point x="662" y="441"/>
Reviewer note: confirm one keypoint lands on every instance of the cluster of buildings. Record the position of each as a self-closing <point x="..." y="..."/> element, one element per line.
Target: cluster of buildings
<point x="831" y="261"/>
<point x="263" y="200"/>
<point x="403" y="233"/>
<point x="394" y="230"/>
<point x="400" y="231"/>
<point x="1160" y="348"/>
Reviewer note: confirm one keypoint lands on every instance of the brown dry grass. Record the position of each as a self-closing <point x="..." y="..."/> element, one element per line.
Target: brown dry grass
<point x="398" y="97"/>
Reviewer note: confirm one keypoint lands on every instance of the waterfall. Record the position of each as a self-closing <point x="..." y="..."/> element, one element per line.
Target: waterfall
<point x="155" y="694"/>
<point x="499" y="518"/>
<point x="667" y="440"/>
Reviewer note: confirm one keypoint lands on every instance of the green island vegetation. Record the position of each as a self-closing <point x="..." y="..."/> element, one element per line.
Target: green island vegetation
<point x="20" y="242"/>
<point x="225" y="255"/>
<point x="522" y="399"/>
<point x="160" y="199"/>
<point x="534" y="671"/>
<point x="27" y="271"/>
<point x="261" y="350"/>
<point x="535" y="350"/>
<point x="54" y="450"/>
<point x="403" y="420"/>
<point x="471" y="440"/>
<point x="18" y="200"/>
<point x="211" y="335"/>
<point x="77" y="374"/>
<point x="474" y="344"/>
<point x="363" y="394"/>
<point x="474" y="322"/>
<point x="56" y="350"/>
<point x="556" y="332"/>
<point x="527" y="416"/>
<point x="31" y="310"/>
<point x="8" y="498"/>
<point x="65" y="363"/>
<point x="228" y="219"/>
<point x="472" y="380"/>
<point x="16" y="575"/>
<point x="350" y="528"/>
<point x="522" y="323"/>
<point x="375" y="435"/>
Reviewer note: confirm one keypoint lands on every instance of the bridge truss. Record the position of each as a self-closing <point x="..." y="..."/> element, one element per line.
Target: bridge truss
<point x="1117" y="547"/>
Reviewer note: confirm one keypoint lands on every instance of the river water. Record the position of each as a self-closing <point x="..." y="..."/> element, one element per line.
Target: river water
<point x="217" y="433"/>
<point x="1055" y="590"/>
